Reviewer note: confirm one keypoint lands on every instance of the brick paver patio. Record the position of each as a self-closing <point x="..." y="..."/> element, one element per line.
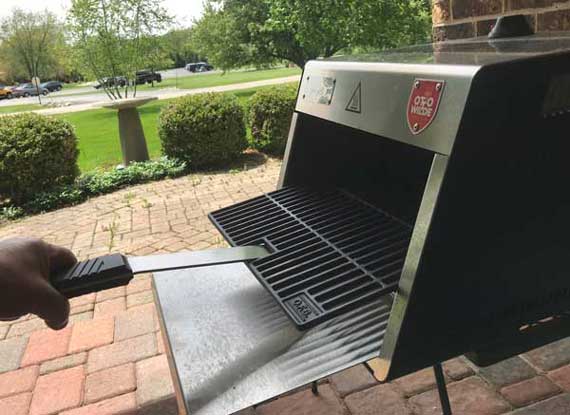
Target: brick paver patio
<point x="110" y="360"/>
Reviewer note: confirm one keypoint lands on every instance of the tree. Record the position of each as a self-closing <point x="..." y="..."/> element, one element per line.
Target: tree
<point x="156" y="55"/>
<point x="237" y="32"/>
<point x="64" y="64"/>
<point x="217" y="36"/>
<point x="29" y="41"/>
<point x="56" y="60"/>
<point x="178" y="45"/>
<point x="114" y="38"/>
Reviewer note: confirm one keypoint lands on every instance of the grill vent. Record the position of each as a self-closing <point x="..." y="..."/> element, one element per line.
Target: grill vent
<point x="331" y="251"/>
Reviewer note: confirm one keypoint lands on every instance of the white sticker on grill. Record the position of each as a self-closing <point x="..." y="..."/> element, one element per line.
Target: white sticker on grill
<point x="319" y="89"/>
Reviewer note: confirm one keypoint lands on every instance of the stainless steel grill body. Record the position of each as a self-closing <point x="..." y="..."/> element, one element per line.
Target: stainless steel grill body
<point x="478" y="203"/>
<point x="481" y="186"/>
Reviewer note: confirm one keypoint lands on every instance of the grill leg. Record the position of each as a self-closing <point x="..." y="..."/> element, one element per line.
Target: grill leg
<point x="315" y="388"/>
<point x="442" y="389"/>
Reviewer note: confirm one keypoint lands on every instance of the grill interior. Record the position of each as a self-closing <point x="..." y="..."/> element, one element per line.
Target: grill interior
<point x="331" y="251"/>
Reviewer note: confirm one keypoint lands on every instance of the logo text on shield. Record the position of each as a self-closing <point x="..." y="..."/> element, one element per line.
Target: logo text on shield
<point x="423" y="103"/>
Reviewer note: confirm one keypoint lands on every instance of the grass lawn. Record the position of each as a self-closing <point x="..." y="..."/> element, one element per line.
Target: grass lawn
<point x="19" y="108"/>
<point x="98" y="132"/>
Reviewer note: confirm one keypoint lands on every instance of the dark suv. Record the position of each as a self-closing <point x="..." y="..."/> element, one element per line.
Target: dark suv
<point x="52" y="86"/>
<point x="147" y="77"/>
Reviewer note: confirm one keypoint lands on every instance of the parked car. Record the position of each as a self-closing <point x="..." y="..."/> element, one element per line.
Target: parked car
<point x="199" y="67"/>
<point x="5" y="92"/>
<point x="111" y="82"/>
<point x="28" y="90"/>
<point x="147" y="77"/>
<point x="52" y="86"/>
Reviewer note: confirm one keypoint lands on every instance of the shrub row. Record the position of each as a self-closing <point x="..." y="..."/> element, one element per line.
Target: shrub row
<point x="38" y="155"/>
<point x="210" y="129"/>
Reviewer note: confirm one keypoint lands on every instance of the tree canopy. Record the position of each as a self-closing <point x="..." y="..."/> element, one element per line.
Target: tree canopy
<point x="30" y="42"/>
<point x="114" y="38"/>
<point x="237" y="32"/>
<point x="179" y="47"/>
<point x="117" y="37"/>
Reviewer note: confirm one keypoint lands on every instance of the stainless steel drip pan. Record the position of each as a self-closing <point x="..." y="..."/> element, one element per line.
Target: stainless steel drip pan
<point x="231" y="345"/>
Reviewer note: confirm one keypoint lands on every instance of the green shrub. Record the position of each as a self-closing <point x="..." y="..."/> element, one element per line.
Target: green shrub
<point x="11" y="213"/>
<point x="56" y="198"/>
<point x="269" y="117"/>
<point x="36" y="153"/>
<point x="206" y="129"/>
<point x="95" y="183"/>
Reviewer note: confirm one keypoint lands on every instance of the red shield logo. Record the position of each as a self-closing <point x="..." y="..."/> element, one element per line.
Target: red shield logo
<point x="423" y="103"/>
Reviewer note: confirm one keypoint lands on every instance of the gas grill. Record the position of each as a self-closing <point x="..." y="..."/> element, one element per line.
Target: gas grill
<point x="431" y="178"/>
<point x="421" y="214"/>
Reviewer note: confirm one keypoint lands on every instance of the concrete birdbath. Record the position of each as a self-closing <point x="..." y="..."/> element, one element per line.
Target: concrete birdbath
<point x="133" y="142"/>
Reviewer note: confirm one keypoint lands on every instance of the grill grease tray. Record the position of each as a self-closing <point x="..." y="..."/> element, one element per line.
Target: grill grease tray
<point x="332" y="252"/>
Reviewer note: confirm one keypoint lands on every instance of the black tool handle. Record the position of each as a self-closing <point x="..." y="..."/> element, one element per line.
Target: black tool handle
<point x="93" y="275"/>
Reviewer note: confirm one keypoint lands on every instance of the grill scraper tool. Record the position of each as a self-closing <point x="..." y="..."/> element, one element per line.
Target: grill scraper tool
<point x="114" y="270"/>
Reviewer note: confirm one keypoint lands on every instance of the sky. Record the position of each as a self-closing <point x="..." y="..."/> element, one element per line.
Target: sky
<point x="183" y="10"/>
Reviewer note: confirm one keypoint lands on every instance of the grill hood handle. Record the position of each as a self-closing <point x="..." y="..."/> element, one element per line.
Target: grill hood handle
<point x="114" y="270"/>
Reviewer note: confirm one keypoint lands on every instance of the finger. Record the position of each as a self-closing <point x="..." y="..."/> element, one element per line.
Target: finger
<point x="60" y="259"/>
<point x="50" y="305"/>
<point x="12" y="318"/>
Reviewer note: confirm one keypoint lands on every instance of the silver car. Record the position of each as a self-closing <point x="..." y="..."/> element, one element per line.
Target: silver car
<point x="28" y="90"/>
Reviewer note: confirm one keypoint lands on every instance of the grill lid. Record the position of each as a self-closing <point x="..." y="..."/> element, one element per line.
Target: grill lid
<point x="331" y="252"/>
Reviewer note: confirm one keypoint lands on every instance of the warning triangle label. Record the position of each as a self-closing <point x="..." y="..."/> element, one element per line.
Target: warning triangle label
<point x="355" y="103"/>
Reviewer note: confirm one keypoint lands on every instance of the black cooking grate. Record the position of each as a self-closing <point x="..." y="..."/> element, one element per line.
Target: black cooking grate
<point x="331" y="252"/>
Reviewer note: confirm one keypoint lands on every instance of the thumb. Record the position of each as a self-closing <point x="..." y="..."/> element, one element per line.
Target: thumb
<point x="50" y="305"/>
<point x="60" y="259"/>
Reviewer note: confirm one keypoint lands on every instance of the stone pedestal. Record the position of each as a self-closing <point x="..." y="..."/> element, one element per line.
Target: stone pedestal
<point x="133" y="142"/>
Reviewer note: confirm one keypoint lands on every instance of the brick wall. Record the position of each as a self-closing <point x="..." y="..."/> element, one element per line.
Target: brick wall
<point x="455" y="19"/>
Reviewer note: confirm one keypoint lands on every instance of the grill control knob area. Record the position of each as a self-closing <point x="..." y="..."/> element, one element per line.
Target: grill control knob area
<point x="511" y="26"/>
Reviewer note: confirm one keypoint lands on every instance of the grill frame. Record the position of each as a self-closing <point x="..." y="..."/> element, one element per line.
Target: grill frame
<point x="323" y="244"/>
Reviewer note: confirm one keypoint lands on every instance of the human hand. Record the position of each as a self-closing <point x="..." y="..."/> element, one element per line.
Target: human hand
<point x="25" y="267"/>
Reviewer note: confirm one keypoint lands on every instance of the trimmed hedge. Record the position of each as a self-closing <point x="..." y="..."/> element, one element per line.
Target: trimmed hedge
<point x="269" y="117"/>
<point x="207" y="130"/>
<point x="36" y="153"/>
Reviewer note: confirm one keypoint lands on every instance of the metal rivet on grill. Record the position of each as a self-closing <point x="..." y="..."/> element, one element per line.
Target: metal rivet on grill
<point x="416" y="126"/>
<point x="417" y="84"/>
<point x="438" y="87"/>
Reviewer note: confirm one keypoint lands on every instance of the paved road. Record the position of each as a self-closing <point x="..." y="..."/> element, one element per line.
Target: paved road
<point x="88" y="94"/>
<point x="82" y="102"/>
<point x="181" y="73"/>
<point x="79" y="96"/>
